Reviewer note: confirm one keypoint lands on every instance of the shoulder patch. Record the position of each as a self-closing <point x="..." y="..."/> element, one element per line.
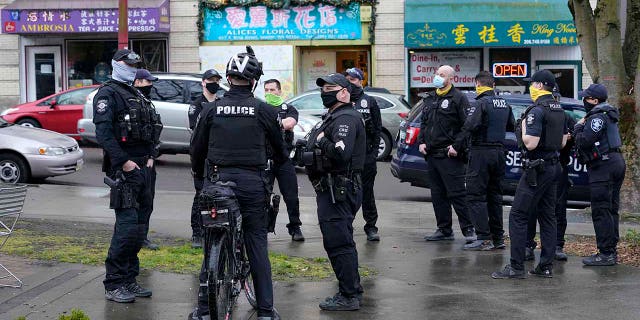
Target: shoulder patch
<point x="597" y="124"/>
<point x="101" y="106"/>
<point x="192" y="109"/>
<point x="444" y="104"/>
<point x="530" y="118"/>
<point x="284" y="106"/>
<point x="364" y="104"/>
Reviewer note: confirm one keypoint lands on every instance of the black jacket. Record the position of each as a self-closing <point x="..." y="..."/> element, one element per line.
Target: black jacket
<point x="368" y="107"/>
<point x="344" y="141"/>
<point x="489" y="117"/>
<point x="442" y="120"/>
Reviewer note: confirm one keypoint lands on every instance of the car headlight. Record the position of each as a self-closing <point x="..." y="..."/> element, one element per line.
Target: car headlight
<point x="10" y="110"/>
<point x="51" y="151"/>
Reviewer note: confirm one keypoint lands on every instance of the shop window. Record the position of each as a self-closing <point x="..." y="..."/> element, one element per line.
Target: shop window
<point x="168" y="91"/>
<point x="153" y="53"/>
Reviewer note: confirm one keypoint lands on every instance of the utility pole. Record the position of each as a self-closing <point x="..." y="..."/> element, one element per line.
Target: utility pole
<point x="123" y="25"/>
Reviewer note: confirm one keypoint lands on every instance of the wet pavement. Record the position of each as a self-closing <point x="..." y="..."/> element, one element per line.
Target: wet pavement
<point x="414" y="280"/>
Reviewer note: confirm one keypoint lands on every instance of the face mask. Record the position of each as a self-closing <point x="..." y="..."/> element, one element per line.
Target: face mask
<point x="482" y="89"/>
<point x="537" y="93"/>
<point x="146" y="90"/>
<point x="356" y="91"/>
<point x="123" y="72"/>
<point x="438" y="81"/>
<point x="213" y="87"/>
<point x="273" y="99"/>
<point x="588" y="106"/>
<point x="329" y="99"/>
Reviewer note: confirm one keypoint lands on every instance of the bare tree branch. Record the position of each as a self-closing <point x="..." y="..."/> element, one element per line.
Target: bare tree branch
<point x="586" y="29"/>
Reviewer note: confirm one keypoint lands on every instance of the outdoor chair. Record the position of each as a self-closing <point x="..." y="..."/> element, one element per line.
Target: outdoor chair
<point x="11" y="203"/>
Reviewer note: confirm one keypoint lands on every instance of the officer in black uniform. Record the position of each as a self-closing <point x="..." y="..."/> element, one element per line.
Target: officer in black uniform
<point x="541" y="133"/>
<point x="285" y="173"/>
<point x="368" y="107"/>
<point x="335" y="159"/>
<point x="489" y="118"/>
<point x="128" y="129"/>
<point x="230" y="139"/>
<point x="441" y="141"/>
<point x="598" y="142"/>
<point x="210" y="86"/>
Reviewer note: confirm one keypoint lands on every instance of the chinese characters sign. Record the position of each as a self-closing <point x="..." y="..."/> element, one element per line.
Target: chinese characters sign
<point x="316" y="22"/>
<point x="423" y="67"/>
<point x="486" y="34"/>
<point x="84" y="20"/>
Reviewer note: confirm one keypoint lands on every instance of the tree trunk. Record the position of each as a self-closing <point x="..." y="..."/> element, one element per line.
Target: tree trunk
<point x="630" y="130"/>
<point x="631" y="47"/>
<point x="610" y="62"/>
<point x="586" y="29"/>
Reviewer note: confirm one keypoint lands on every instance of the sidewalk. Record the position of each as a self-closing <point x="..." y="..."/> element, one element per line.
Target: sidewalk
<point x="415" y="280"/>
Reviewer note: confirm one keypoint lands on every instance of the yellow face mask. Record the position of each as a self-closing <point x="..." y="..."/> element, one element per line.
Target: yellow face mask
<point x="537" y="93"/>
<point x="482" y="89"/>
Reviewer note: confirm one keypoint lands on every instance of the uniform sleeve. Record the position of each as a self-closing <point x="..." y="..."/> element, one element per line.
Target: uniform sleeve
<point x="511" y="120"/>
<point x="423" y="124"/>
<point x="104" y="107"/>
<point x="268" y="117"/>
<point x="292" y="112"/>
<point x="463" y="105"/>
<point x="590" y="132"/>
<point x="533" y="122"/>
<point x="474" y="119"/>
<point x="194" y="110"/>
<point x="340" y="143"/>
<point x="376" y="119"/>
<point x="200" y="142"/>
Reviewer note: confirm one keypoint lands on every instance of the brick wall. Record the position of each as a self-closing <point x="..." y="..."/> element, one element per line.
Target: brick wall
<point x="9" y="68"/>
<point x="389" y="46"/>
<point x="183" y="39"/>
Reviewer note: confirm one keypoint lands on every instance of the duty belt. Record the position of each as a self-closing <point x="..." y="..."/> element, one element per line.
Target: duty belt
<point x="438" y="153"/>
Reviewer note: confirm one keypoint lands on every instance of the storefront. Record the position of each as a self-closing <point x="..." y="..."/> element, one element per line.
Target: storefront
<point x="296" y="44"/>
<point x="72" y="46"/>
<point x="511" y="39"/>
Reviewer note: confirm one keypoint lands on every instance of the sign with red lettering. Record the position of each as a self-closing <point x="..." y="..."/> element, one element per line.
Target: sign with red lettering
<point x="424" y="65"/>
<point x="510" y="70"/>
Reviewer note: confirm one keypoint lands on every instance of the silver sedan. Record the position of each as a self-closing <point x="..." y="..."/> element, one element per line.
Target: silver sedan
<point x="28" y="153"/>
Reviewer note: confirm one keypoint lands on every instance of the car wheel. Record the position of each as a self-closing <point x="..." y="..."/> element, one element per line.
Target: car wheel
<point x="32" y="123"/>
<point x="13" y="169"/>
<point x="384" y="150"/>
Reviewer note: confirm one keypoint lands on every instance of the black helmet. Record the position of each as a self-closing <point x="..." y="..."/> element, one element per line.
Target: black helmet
<point x="245" y="65"/>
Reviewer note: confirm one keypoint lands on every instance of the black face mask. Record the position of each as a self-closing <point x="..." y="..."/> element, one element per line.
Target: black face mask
<point x="213" y="87"/>
<point x="146" y="91"/>
<point x="588" y="106"/>
<point x="329" y="99"/>
<point x="356" y="92"/>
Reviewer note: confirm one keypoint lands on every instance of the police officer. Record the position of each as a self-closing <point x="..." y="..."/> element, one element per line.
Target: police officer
<point x="230" y="139"/>
<point x="488" y="120"/>
<point x="368" y="107"/>
<point x="210" y="86"/>
<point x="127" y="128"/>
<point x="598" y="142"/>
<point x="441" y="141"/>
<point x="286" y="172"/>
<point x="338" y="147"/>
<point x="541" y="134"/>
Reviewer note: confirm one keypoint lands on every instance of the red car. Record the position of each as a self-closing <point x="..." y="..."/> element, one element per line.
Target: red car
<point x="59" y="112"/>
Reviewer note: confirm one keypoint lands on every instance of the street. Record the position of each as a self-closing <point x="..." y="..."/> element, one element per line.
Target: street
<point x="174" y="174"/>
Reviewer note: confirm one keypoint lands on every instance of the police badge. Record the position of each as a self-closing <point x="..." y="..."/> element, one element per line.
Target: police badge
<point x="597" y="124"/>
<point x="444" y="104"/>
<point x="364" y="104"/>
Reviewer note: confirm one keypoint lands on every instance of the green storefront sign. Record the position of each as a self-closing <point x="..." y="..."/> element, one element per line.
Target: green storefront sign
<point x="496" y="23"/>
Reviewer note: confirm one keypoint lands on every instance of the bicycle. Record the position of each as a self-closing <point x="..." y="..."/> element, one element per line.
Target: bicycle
<point x="226" y="263"/>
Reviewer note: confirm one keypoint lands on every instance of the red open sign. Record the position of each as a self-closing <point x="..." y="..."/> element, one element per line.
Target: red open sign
<point x="510" y="70"/>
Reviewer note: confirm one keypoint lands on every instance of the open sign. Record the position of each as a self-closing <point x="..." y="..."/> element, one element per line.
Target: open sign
<point x="509" y="70"/>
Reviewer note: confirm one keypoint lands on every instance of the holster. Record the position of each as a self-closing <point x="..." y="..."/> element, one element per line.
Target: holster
<point x="272" y="213"/>
<point x="533" y="167"/>
<point x="122" y="195"/>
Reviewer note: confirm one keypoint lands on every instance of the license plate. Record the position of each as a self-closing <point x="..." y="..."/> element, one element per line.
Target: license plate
<point x="403" y="135"/>
<point x="79" y="164"/>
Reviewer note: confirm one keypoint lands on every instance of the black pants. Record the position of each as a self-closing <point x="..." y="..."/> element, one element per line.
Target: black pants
<point x="196" y="217"/>
<point x="369" y="210"/>
<point x="484" y="191"/>
<point x="288" y="185"/>
<point x="446" y="176"/>
<point x="252" y="195"/>
<point x="538" y="202"/>
<point x="336" y="225"/>
<point x="605" y="181"/>
<point x="561" y="212"/>
<point x="130" y="230"/>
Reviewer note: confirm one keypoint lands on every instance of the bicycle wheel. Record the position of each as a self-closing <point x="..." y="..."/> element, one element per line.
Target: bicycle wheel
<point x="220" y="279"/>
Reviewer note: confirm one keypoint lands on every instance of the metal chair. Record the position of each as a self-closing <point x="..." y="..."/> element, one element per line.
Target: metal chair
<point x="11" y="203"/>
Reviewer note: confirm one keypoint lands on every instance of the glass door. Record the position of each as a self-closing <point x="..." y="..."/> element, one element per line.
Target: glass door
<point x="566" y="76"/>
<point x="44" y="72"/>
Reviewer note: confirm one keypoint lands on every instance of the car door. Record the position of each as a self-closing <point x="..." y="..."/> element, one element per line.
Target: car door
<point x="167" y="96"/>
<point x="68" y="110"/>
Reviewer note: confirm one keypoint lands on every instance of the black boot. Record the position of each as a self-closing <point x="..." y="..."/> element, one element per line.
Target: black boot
<point x="544" y="272"/>
<point x="509" y="273"/>
<point x="296" y="234"/>
<point x="600" y="259"/>
<point x="439" y="236"/>
<point x="120" y="295"/>
<point x="560" y="255"/>
<point x="340" y="303"/>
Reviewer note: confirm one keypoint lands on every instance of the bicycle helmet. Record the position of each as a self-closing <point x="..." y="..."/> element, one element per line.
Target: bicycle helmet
<point x="245" y="65"/>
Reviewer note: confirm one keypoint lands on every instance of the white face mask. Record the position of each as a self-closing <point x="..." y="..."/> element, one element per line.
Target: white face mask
<point x="438" y="82"/>
<point x="122" y="72"/>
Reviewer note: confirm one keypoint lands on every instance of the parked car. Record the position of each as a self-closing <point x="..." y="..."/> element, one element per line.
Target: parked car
<point x="393" y="108"/>
<point x="28" y="153"/>
<point x="58" y="112"/>
<point x="171" y="96"/>
<point x="409" y="165"/>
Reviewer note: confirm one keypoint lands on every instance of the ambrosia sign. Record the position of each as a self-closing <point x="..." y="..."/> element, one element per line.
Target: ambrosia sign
<point x="261" y="23"/>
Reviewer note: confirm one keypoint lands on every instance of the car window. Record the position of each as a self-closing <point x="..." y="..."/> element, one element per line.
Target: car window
<point x="518" y="109"/>
<point x="75" y="97"/>
<point x="308" y="102"/>
<point x="195" y="90"/>
<point x="168" y="91"/>
<point x="383" y="103"/>
<point x="575" y="113"/>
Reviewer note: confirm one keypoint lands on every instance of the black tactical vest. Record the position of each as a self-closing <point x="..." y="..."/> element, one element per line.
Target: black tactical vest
<point x="138" y="122"/>
<point x="553" y="128"/>
<point x="497" y="114"/>
<point x="236" y="138"/>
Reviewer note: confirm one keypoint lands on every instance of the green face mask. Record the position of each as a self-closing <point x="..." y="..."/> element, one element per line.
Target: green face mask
<point x="273" y="100"/>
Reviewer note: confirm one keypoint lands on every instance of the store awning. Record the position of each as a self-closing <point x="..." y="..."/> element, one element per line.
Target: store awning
<point x="496" y="23"/>
<point x="81" y="16"/>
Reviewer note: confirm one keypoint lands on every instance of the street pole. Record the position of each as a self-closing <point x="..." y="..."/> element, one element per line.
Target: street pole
<point x="123" y="25"/>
